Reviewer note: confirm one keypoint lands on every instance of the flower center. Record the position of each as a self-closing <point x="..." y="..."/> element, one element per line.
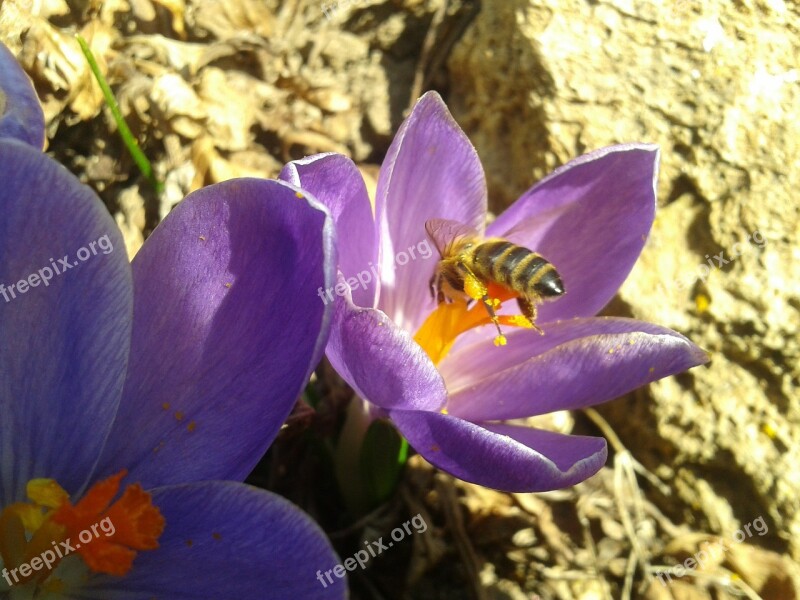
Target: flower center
<point x="36" y="536"/>
<point x="440" y="330"/>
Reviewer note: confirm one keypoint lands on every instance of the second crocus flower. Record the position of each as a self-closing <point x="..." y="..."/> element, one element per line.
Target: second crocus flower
<point x="135" y="397"/>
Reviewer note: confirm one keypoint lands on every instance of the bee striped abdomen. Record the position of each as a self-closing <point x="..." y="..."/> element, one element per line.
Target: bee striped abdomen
<point x="505" y="267"/>
<point x="490" y="260"/>
<point x="528" y="271"/>
<point x="517" y="268"/>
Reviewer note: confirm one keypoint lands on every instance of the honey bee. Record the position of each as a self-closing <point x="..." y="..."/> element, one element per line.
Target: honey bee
<point x="469" y="264"/>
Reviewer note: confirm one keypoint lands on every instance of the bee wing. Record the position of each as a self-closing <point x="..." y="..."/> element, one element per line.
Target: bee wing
<point x="444" y="231"/>
<point x="522" y="232"/>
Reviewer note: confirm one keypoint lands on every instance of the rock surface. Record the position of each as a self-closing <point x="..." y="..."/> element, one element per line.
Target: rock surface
<point x="715" y="84"/>
<point x="214" y="90"/>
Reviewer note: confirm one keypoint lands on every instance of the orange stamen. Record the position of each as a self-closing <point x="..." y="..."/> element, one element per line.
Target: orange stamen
<point x="129" y="524"/>
<point x="105" y="534"/>
<point x="439" y="331"/>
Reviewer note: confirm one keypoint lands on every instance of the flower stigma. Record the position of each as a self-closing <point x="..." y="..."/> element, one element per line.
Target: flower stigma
<point x="450" y="319"/>
<point x="37" y="536"/>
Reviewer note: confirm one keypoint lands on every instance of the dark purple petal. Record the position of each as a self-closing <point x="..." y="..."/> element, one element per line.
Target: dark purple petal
<point x="21" y="115"/>
<point x="227" y="540"/>
<point x="590" y="218"/>
<point x="431" y="171"/>
<point x="336" y="182"/>
<point x="380" y="361"/>
<point x="65" y="340"/>
<point x="577" y="363"/>
<point x="227" y="327"/>
<point x="504" y="457"/>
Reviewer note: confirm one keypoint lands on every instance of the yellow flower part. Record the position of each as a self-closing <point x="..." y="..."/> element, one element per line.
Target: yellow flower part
<point x="36" y="536"/>
<point x="443" y="326"/>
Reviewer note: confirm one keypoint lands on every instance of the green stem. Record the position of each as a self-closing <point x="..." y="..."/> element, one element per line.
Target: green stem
<point x="348" y="458"/>
<point x="127" y="137"/>
<point x="370" y="458"/>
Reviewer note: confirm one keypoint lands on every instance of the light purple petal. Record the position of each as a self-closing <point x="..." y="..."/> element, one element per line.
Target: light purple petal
<point x="431" y="171"/>
<point x="227" y="540"/>
<point x="504" y="457"/>
<point x="336" y="182"/>
<point x="577" y="363"/>
<point x="380" y="361"/>
<point x="65" y="341"/>
<point x="21" y="115"/>
<point x="227" y="327"/>
<point x="590" y="218"/>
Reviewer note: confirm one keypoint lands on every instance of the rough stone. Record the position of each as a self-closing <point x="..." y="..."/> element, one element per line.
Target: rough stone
<point x="716" y="85"/>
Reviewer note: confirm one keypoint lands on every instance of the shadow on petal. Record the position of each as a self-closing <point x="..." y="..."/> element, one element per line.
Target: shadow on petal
<point x="227" y="328"/>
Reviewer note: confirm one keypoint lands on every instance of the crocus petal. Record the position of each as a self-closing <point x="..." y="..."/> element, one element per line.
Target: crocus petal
<point x="66" y="336"/>
<point x="227" y="327"/>
<point x="504" y="457"/>
<point x="380" y="361"/>
<point x="21" y="115"/>
<point x="336" y="182"/>
<point x="431" y="171"/>
<point x="590" y="218"/>
<point x="577" y="363"/>
<point x="227" y="540"/>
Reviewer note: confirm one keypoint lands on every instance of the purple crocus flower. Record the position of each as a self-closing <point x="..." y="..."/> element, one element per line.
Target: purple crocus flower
<point x="174" y="371"/>
<point x="433" y="370"/>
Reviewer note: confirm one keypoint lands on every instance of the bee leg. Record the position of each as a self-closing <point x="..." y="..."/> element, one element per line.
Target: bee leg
<point x="528" y="308"/>
<point x="434" y="283"/>
<point x="500" y="340"/>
